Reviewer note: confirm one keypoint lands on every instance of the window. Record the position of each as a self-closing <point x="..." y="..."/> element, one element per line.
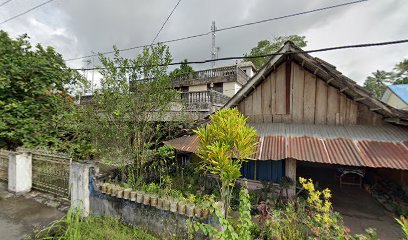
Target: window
<point x="216" y="87"/>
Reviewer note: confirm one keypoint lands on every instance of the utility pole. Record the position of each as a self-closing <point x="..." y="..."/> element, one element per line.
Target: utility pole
<point x="213" y="47"/>
<point x="93" y="72"/>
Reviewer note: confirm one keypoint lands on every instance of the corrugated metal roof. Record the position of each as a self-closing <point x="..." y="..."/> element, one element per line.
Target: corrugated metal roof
<point x="385" y="154"/>
<point x="184" y="144"/>
<point x="369" y="146"/>
<point x="306" y="148"/>
<point x="273" y="147"/>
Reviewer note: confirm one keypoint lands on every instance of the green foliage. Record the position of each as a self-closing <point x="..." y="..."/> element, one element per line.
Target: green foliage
<point x="266" y="47"/>
<point x="135" y="96"/>
<point x="230" y="229"/>
<point x="72" y="227"/>
<point x="36" y="107"/>
<point x="224" y="144"/>
<point x="399" y="75"/>
<point x="403" y="222"/>
<point x="182" y="70"/>
<point x="310" y="218"/>
<point x="377" y="82"/>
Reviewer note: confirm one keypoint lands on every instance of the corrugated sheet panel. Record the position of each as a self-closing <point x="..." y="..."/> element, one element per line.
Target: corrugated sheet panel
<point x="273" y="148"/>
<point x="185" y="143"/>
<point x="307" y="148"/>
<point x="385" y="154"/>
<point x="377" y="147"/>
<point x="345" y="152"/>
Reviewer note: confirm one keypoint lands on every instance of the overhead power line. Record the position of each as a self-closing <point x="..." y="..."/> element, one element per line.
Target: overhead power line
<point x="167" y="19"/>
<point x="363" y="45"/>
<point x="1" y="5"/>
<point x="228" y="28"/>
<point x="25" y="12"/>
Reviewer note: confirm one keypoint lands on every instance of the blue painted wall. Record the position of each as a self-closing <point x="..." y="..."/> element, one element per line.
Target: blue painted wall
<point x="265" y="170"/>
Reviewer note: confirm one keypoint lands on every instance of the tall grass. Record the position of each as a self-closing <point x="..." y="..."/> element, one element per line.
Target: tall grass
<point x="73" y="227"/>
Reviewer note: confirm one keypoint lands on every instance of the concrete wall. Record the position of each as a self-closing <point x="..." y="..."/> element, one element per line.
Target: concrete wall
<point x="248" y="70"/>
<point x="197" y="88"/>
<point x="166" y="224"/>
<point x="230" y="88"/>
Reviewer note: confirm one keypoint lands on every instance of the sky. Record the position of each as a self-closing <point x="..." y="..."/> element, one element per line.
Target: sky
<point x="76" y="28"/>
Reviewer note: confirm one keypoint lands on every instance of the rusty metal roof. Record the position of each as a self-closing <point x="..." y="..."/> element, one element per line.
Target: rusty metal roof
<point x="184" y="144"/>
<point x="368" y="146"/>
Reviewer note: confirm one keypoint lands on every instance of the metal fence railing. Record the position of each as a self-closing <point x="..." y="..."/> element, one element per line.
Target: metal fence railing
<point x="51" y="173"/>
<point x="4" y="159"/>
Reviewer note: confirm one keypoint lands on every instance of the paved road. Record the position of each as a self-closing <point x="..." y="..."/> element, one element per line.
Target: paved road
<point x="20" y="215"/>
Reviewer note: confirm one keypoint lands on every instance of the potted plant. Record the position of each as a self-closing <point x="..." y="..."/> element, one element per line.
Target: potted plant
<point x="166" y="203"/>
<point x="133" y="195"/>
<point x="146" y="199"/>
<point x="139" y="196"/>
<point x="182" y="207"/>
<point x="190" y="205"/>
<point x="160" y="198"/>
<point x="206" y="204"/>
<point x="152" y="189"/>
<point x="175" y="196"/>
<point x="113" y="191"/>
<point x="119" y="192"/>
<point x="108" y="189"/>
<point x="160" y="202"/>
<point x="198" y="207"/>
<point x="153" y="200"/>
<point x="104" y="187"/>
<point x="173" y="204"/>
<point x="126" y="193"/>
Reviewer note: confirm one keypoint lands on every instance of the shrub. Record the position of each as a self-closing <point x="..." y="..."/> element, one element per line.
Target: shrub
<point x="230" y="229"/>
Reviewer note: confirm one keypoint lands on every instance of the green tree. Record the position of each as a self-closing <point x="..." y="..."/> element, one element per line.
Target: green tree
<point x="267" y="47"/>
<point x="400" y="73"/>
<point x="182" y="70"/>
<point x="224" y="144"/>
<point x="36" y="108"/>
<point x="376" y="83"/>
<point x="133" y="107"/>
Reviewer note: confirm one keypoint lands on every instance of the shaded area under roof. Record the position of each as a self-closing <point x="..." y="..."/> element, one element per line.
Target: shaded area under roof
<point x="364" y="146"/>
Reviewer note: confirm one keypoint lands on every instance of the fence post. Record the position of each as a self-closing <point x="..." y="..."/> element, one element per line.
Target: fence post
<point x="20" y="172"/>
<point x="80" y="187"/>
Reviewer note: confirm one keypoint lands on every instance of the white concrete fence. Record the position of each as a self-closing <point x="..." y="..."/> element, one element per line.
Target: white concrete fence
<point x="20" y="179"/>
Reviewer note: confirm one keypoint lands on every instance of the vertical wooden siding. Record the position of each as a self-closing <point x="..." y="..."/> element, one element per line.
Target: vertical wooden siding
<point x="311" y="100"/>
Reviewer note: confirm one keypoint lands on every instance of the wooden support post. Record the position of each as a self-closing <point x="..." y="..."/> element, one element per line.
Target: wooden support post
<point x="290" y="171"/>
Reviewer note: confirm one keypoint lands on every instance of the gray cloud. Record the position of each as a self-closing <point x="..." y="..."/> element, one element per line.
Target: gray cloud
<point x="76" y="28"/>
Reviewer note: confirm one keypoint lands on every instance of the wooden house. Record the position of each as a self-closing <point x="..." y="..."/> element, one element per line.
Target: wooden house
<point x="312" y="121"/>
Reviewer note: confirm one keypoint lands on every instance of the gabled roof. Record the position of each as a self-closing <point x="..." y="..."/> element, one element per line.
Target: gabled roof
<point x="401" y="90"/>
<point x="326" y="72"/>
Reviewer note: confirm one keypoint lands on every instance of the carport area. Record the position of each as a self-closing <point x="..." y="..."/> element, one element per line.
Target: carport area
<point x="357" y="207"/>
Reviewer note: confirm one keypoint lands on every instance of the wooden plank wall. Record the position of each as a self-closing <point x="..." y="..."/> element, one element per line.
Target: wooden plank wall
<point x="312" y="101"/>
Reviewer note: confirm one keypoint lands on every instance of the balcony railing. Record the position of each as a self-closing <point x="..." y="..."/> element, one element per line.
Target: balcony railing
<point x="204" y="100"/>
<point x="230" y="73"/>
